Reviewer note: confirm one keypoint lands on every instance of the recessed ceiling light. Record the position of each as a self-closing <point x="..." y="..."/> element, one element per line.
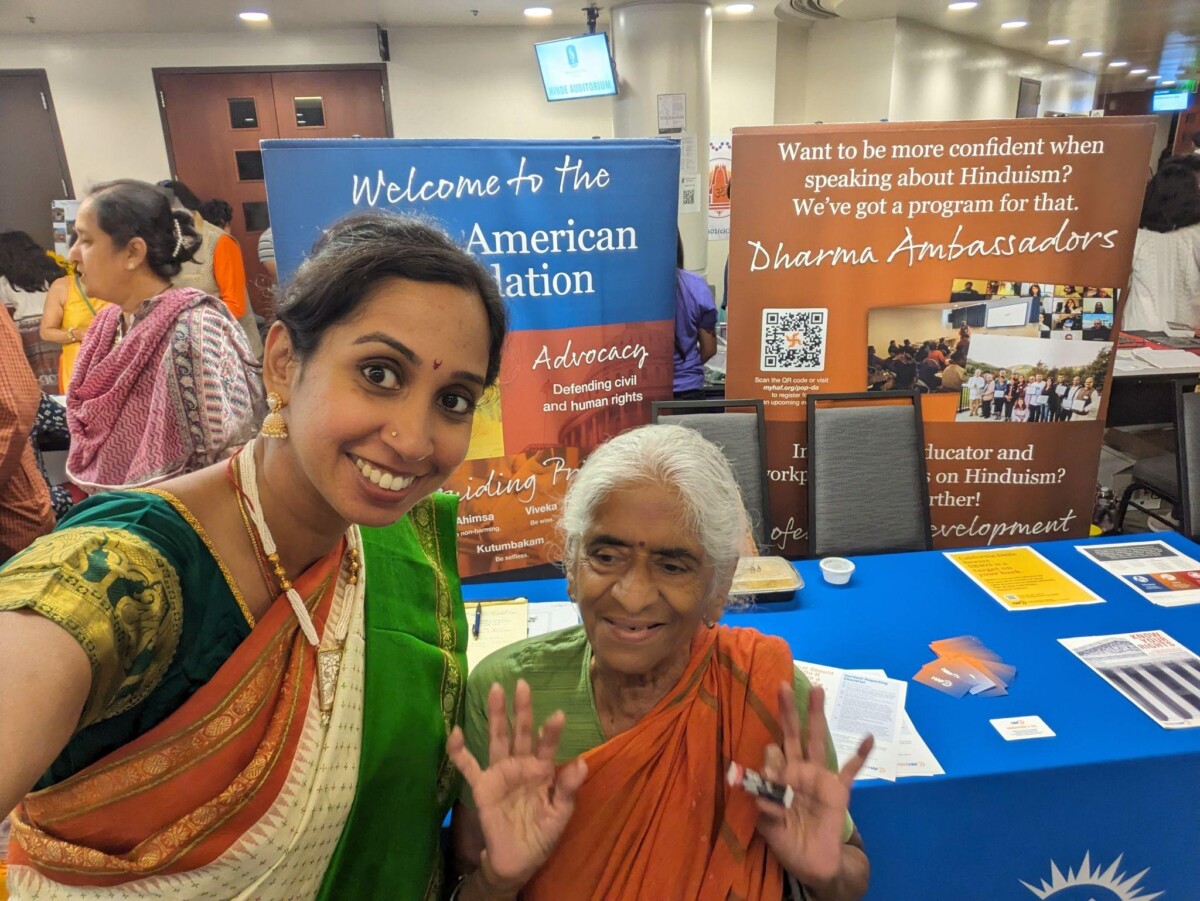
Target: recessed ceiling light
<point x="1058" y="42"/>
<point x="1138" y="71"/>
<point x="739" y="9"/>
<point x="962" y="5"/>
<point x="1014" y="23"/>
<point x="1089" y="54"/>
<point x="1118" y="64"/>
<point x="1167" y="84"/>
<point x="251" y="15"/>
<point x="1153" y="77"/>
<point x="538" y="12"/>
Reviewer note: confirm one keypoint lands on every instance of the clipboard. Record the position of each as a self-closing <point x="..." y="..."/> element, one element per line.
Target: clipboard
<point x="494" y="624"/>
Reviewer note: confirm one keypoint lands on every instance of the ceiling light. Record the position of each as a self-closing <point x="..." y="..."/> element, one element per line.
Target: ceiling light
<point x="1058" y="42"/>
<point x="1014" y="23"/>
<point x="1138" y="71"/>
<point x="739" y="9"/>
<point x="538" y="12"/>
<point x="1118" y="64"/>
<point x="251" y="15"/>
<point x="1153" y="77"/>
<point x="962" y="5"/>
<point x="1089" y="54"/>
<point x="1167" y="84"/>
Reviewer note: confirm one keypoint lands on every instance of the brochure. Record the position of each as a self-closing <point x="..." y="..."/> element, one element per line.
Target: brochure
<point x="1153" y="569"/>
<point x="1019" y="578"/>
<point x="1151" y="669"/>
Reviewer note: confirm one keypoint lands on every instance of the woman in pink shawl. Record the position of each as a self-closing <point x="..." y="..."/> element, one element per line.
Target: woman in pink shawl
<point x="165" y="382"/>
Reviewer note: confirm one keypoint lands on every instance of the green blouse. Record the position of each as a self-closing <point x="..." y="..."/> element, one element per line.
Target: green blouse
<point x="133" y="578"/>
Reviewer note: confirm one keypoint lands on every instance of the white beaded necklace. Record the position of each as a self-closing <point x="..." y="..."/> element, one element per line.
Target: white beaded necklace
<point x="329" y="652"/>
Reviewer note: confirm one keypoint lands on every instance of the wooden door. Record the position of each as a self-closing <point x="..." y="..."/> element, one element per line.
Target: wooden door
<point x="33" y="166"/>
<point x="331" y="103"/>
<point x="214" y="123"/>
<point x="214" y="120"/>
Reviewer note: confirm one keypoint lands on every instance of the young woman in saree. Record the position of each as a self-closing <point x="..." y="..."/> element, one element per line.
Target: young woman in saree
<point x="222" y="687"/>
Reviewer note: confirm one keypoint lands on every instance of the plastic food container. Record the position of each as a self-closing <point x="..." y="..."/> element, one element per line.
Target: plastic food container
<point x="765" y="579"/>
<point x="837" y="570"/>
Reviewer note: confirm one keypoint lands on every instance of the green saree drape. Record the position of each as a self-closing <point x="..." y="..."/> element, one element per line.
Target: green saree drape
<point x="416" y="639"/>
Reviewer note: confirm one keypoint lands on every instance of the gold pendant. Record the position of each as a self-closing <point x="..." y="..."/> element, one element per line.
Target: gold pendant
<point x="329" y="665"/>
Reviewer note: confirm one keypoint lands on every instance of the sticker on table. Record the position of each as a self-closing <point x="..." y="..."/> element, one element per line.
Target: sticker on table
<point x="1153" y="569"/>
<point x="1017" y="728"/>
<point x="1019" y="578"/>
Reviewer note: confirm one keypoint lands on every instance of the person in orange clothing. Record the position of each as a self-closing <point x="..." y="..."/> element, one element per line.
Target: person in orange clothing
<point x="217" y="268"/>
<point x="25" y="513"/>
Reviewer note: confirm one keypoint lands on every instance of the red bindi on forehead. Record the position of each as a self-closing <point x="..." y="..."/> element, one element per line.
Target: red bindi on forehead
<point x="437" y="364"/>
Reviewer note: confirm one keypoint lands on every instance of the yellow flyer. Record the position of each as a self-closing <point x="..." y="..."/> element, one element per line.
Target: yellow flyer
<point x="1019" y="578"/>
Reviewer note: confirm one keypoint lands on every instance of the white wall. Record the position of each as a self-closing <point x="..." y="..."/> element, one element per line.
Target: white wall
<point x="942" y="76"/>
<point x="482" y="83"/>
<point x="743" y="75"/>
<point x="104" y="95"/>
<point x="791" y="72"/>
<point x="848" y="71"/>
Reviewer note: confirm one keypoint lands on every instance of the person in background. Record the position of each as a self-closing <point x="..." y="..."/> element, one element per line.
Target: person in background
<point x="1087" y="399"/>
<point x="266" y="253"/>
<point x="1033" y="388"/>
<point x="987" y="396"/>
<point x="1035" y="302"/>
<point x="952" y="377"/>
<point x="217" y="267"/>
<point x="27" y="273"/>
<point x="975" y="386"/>
<point x="1020" y="412"/>
<point x="165" y="382"/>
<point x="1011" y="391"/>
<point x="25" y="512"/>
<point x="217" y="212"/>
<point x="695" y="329"/>
<point x="929" y="373"/>
<point x="1164" y="283"/>
<point x="621" y="794"/>
<point x="67" y="317"/>
<point x="251" y="623"/>
<point x="1000" y="392"/>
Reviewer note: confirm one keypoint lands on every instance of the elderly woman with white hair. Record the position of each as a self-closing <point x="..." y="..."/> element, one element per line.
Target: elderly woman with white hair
<point x="622" y="793"/>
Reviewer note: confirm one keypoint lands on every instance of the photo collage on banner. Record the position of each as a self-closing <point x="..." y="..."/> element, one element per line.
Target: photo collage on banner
<point x="979" y="263"/>
<point x="580" y="237"/>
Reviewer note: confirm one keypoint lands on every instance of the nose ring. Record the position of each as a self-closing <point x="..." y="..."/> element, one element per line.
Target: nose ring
<point x="394" y="434"/>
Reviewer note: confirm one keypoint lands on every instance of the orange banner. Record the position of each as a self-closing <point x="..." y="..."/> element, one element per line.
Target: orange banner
<point x="982" y="263"/>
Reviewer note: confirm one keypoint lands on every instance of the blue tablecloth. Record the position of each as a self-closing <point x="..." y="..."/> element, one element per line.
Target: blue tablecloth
<point x="1111" y="784"/>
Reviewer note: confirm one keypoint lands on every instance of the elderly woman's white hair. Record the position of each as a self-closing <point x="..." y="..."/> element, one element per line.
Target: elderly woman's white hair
<point x="673" y="456"/>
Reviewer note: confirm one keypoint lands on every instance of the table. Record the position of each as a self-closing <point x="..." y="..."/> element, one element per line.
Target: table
<point x="1111" y="784"/>
<point x="1145" y="394"/>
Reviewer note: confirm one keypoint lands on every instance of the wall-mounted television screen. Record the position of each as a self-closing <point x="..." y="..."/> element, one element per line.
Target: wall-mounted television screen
<point x="575" y="68"/>
<point x="1007" y="315"/>
<point x="1169" y="101"/>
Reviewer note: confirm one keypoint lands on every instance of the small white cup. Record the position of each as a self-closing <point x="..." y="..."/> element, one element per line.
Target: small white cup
<point x="837" y="570"/>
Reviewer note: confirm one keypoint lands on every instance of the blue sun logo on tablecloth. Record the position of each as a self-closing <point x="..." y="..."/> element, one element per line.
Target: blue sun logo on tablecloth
<point x="1087" y="884"/>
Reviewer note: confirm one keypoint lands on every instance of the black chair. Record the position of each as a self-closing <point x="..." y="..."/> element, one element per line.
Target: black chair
<point x="867" y="489"/>
<point x="1173" y="477"/>
<point x="743" y="438"/>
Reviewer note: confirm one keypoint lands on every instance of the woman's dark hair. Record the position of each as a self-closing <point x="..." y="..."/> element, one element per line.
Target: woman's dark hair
<point x="25" y="264"/>
<point x="216" y="211"/>
<point x="128" y="209"/>
<point x="355" y="254"/>
<point x="1172" y="199"/>
<point x="183" y="194"/>
<point x="678" y="250"/>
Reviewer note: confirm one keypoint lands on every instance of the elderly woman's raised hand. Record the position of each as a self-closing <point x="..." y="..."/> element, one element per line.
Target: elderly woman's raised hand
<point x="522" y="804"/>
<point x="807" y="836"/>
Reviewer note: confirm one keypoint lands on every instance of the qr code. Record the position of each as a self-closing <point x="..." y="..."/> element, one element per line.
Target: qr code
<point x="794" y="340"/>
<point x="689" y="197"/>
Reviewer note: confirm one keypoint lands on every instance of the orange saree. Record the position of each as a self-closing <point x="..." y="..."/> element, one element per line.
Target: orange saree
<point x="655" y="818"/>
<point x="209" y="801"/>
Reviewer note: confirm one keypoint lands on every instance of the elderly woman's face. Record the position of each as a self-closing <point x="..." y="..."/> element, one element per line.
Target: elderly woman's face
<point x="641" y="582"/>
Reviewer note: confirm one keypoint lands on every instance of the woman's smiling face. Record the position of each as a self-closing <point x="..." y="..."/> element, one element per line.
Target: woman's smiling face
<point x="379" y="415"/>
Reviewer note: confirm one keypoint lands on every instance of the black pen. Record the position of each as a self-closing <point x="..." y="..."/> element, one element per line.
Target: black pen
<point x="478" y="618"/>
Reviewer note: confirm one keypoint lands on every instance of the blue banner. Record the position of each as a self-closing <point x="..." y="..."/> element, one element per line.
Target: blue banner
<point x="581" y="238"/>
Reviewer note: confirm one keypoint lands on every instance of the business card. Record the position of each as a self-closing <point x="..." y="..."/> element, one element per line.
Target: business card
<point x="1019" y="727"/>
